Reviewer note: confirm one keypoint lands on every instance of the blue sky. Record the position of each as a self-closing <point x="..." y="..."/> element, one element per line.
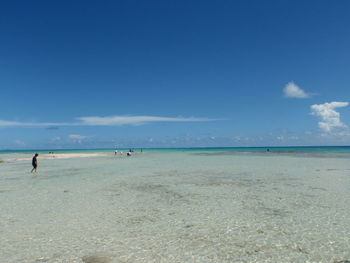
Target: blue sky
<point x="85" y="74"/>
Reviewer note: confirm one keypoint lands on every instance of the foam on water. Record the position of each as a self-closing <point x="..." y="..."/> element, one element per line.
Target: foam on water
<point x="176" y="207"/>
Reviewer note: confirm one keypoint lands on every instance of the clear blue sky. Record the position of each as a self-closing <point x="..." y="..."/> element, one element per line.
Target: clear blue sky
<point x="174" y="73"/>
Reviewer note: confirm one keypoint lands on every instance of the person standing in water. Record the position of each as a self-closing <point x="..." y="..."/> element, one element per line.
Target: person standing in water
<point x="35" y="162"/>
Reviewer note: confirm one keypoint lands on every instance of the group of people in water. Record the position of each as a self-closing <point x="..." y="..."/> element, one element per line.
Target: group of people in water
<point x="129" y="153"/>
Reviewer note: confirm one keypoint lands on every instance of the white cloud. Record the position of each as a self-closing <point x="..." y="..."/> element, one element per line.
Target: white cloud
<point x="56" y="139"/>
<point x="77" y="138"/>
<point x="132" y="120"/>
<point x="236" y="138"/>
<point x="330" y="118"/>
<point x="8" y="123"/>
<point x="105" y="121"/>
<point x="292" y="90"/>
<point x="32" y="124"/>
<point x="19" y="142"/>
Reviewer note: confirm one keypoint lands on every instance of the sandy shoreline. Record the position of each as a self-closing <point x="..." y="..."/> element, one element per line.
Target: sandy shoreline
<point x="61" y="156"/>
<point x="52" y="156"/>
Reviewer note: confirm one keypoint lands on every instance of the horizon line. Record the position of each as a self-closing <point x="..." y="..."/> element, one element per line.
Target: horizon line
<point x="195" y="147"/>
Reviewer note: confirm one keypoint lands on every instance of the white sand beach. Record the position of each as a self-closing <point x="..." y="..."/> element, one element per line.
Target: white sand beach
<point x="49" y="156"/>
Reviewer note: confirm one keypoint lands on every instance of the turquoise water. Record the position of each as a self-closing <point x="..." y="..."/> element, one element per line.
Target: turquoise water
<point x="177" y="205"/>
<point x="298" y="149"/>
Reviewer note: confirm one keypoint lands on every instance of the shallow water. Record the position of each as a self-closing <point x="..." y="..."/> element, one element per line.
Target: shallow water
<point x="176" y="207"/>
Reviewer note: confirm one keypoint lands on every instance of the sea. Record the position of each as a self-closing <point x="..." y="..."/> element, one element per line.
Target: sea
<point x="264" y="204"/>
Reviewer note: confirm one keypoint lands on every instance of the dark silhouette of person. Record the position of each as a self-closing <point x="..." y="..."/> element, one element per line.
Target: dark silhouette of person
<point x="35" y="162"/>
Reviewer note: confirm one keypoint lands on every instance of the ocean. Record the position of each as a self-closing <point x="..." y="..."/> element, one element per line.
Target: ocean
<point x="288" y="204"/>
<point x="323" y="150"/>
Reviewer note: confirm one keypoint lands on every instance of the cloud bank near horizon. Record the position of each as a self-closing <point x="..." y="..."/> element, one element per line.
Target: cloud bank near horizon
<point x="105" y="121"/>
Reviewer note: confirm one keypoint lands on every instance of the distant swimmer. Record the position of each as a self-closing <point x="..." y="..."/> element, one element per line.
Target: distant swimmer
<point x="35" y="162"/>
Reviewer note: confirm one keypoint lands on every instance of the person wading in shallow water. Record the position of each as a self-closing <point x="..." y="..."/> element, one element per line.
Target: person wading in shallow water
<point x="35" y="162"/>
